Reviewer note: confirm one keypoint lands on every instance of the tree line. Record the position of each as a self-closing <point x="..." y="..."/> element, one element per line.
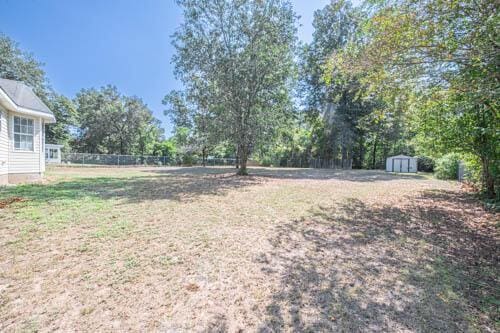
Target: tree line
<point x="378" y="79"/>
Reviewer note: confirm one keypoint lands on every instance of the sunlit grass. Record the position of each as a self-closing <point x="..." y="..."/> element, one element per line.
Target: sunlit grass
<point x="279" y="248"/>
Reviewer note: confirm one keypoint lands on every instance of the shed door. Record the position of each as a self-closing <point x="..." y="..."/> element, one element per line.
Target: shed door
<point x="401" y="165"/>
<point x="404" y="165"/>
<point x="396" y="165"/>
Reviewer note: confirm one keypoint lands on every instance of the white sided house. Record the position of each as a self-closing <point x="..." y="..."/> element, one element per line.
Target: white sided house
<point x="22" y="133"/>
<point x="401" y="163"/>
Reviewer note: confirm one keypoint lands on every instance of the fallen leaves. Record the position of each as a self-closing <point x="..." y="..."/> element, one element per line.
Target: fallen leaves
<point x="7" y="202"/>
<point x="192" y="287"/>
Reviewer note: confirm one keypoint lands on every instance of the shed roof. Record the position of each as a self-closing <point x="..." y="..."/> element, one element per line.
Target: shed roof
<point x="23" y="96"/>
<point x="401" y="156"/>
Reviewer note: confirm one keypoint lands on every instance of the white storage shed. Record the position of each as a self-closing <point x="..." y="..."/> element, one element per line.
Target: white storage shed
<point x="53" y="153"/>
<point x="401" y="163"/>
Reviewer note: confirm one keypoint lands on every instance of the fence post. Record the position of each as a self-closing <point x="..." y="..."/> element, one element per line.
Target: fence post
<point x="461" y="171"/>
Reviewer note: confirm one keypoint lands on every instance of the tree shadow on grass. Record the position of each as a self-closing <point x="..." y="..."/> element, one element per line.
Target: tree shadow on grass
<point x="362" y="176"/>
<point x="131" y="189"/>
<point x="296" y="173"/>
<point x="180" y="183"/>
<point x="428" y="265"/>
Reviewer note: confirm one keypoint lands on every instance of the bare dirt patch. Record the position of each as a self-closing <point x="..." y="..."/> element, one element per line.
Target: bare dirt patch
<point x="199" y="249"/>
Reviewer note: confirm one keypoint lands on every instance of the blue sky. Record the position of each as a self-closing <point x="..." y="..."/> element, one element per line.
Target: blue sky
<point x="126" y="43"/>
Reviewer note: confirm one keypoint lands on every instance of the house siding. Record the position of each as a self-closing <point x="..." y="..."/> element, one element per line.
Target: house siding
<point x="26" y="161"/>
<point x="4" y="143"/>
<point x="42" y="145"/>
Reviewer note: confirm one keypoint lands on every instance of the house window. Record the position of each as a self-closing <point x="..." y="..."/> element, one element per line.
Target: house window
<point x="23" y="134"/>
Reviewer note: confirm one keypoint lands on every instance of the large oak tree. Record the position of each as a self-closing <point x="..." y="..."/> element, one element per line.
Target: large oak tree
<point x="244" y="52"/>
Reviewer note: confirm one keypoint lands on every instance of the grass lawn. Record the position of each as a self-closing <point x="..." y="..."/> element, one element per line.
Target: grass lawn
<point x="199" y="249"/>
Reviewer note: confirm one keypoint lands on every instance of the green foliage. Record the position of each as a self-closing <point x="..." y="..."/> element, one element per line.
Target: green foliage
<point x="104" y="120"/>
<point x="333" y="102"/>
<point x="348" y="121"/>
<point x="425" y="163"/>
<point x="474" y="175"/>
<point x="18" y="65"/>
<point x="291" y="142"/>
<point x="334" y="26"/>
<point x="189" y="159"/>
<point x="224" y="150"/>
<point x="166" y="148"/>
<point x="65" y="112"/>
<point x="472" y="167"/>
<point x="439" y="61"/>
<point x="111" y="123"/>
<point x="178" y="109"/>
<point x="447" y="166"/>
<point x="236" y="61"/>
<point x="266" y="161"/>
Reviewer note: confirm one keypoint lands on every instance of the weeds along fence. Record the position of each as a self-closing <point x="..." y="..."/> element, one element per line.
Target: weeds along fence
<point x="136" y="160"/>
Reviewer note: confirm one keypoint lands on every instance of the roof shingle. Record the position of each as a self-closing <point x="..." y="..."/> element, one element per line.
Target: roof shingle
<point x="23" y="96"/>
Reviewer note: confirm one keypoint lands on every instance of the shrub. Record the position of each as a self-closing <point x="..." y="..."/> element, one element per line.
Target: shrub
<point x="266" y="161"/>
<point x="188" y="159"/>
<point x="426" y="164"/>
<point x="472" y="172"/>
<point x="447" y="166"/>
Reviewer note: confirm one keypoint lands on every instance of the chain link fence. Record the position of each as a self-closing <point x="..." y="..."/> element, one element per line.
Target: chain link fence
<point x="113" y="160"/>
<point x="134" y="160"/>
<point x="316" y="163"/>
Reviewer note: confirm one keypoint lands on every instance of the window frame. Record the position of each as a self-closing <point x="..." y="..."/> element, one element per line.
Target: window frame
<point x="21" y="134"/>
<point x="53" y="153"/>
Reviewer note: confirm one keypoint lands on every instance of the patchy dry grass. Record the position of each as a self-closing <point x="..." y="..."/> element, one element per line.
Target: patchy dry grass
<point x="194" y="249"/>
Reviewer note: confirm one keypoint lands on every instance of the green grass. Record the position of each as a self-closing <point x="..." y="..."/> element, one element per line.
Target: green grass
<point x="103" y="249"/>
<point x="60" y="205"/>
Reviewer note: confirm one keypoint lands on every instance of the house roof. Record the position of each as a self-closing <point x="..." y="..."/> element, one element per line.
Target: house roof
<point x="23" y="96"/>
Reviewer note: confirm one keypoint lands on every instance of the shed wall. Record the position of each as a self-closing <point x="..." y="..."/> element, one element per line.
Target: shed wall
<point x="412" y="164"/>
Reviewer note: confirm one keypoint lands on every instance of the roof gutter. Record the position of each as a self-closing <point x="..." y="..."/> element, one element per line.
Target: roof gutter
<point x="10" y="105"/>
<point x="49" y="119"/>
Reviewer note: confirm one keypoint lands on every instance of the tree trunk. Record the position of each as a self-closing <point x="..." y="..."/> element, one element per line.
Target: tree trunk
<point x="243" y="161"/>
<point x="488" y="179"/>
<point x="203" y="157"/>
<point x="357" y="158"/>
<point x="374" y="153"/>
<point x="237" y="162"/>
<point x="344" y="156"/>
